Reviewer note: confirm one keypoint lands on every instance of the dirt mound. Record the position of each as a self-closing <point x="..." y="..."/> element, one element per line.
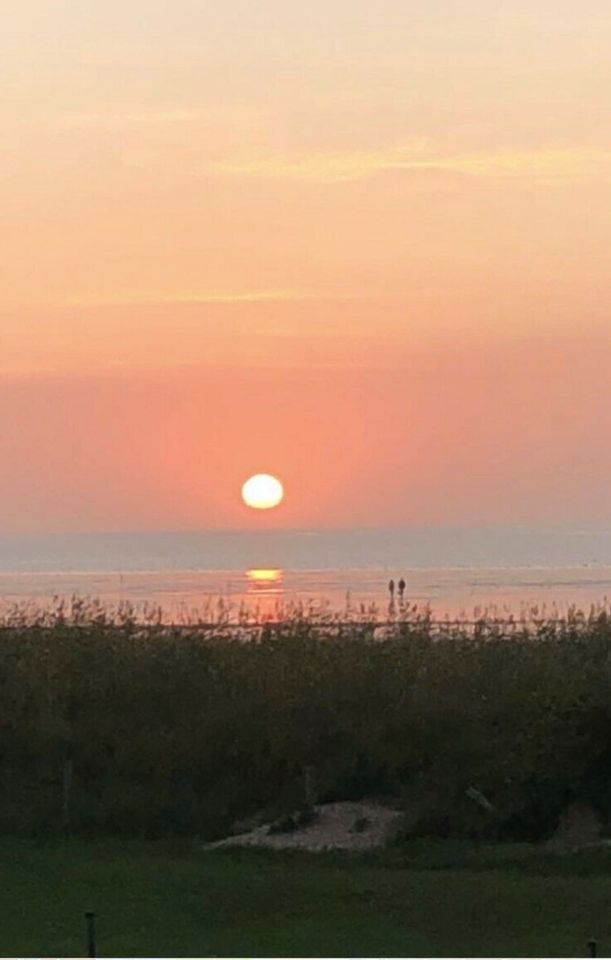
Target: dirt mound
<point x="579" y="828"/>
<point x="336" y="826"/>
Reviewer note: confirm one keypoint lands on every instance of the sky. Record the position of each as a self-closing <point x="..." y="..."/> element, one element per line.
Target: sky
<point x="362" y="246"/>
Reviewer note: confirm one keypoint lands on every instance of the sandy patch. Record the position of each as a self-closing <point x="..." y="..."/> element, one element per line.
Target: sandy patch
<point x="338" y="826"/>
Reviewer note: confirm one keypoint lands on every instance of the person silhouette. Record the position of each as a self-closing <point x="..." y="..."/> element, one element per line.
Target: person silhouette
<point x="402" y="586"/>
<point x="391" y="589"/>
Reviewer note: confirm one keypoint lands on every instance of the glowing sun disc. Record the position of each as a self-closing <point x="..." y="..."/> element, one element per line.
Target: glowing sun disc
<point x="262" y="492"/>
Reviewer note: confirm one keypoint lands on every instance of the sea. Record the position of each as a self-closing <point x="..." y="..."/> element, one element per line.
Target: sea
<point x="460" y="573"/>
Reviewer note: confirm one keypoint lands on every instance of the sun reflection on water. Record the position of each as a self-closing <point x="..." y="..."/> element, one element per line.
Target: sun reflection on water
<point x="266" y="581"/>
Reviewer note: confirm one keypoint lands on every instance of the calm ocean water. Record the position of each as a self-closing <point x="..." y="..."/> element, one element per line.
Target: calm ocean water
<point x="455" y="571"/>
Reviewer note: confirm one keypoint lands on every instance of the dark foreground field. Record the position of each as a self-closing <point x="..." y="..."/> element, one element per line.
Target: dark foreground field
<point x="426" y="898"/>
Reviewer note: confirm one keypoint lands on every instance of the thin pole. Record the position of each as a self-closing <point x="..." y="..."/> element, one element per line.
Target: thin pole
<point x="66" y="789"/>
<point x="90" y="917"/>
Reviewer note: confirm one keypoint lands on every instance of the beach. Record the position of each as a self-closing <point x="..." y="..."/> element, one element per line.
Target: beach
<point x="460" y="574"/>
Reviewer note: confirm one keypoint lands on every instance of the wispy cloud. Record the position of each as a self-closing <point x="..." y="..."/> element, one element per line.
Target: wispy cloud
<point x="126" y="119"/>
<point x="185" y="116"/>
<point x="245" y="296"/>
<point x="202" y="297"/>
<point x="327" y="166"/>
<point x="544" y="164"/>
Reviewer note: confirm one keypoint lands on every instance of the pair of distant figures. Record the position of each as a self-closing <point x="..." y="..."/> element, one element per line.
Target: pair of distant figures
<point x="400" y="587"/>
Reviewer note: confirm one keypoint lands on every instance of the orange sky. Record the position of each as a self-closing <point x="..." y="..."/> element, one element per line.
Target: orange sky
<point x="363" y="246"/>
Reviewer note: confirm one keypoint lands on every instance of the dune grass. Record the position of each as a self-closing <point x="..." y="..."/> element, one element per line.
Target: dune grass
<point x="109" y="726"/>
<point x="172" y="900"/>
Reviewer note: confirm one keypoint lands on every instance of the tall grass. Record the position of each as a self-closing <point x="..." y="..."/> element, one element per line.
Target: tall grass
<point x="111" y="723"/>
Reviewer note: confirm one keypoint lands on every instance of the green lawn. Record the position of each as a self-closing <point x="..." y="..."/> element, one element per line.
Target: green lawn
<point x="432" y="899"/>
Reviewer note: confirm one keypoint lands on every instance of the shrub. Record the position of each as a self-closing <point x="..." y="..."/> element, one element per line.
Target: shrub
<point x="178" y="730"/>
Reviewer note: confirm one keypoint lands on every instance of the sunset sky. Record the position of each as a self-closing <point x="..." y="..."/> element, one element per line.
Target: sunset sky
<point x="363" y="246"/>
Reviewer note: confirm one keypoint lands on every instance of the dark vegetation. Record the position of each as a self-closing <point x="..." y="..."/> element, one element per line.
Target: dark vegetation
<point x="112" y="726"/>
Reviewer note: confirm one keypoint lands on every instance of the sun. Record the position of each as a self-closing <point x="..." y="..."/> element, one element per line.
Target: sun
<point x="262" y="492"/>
